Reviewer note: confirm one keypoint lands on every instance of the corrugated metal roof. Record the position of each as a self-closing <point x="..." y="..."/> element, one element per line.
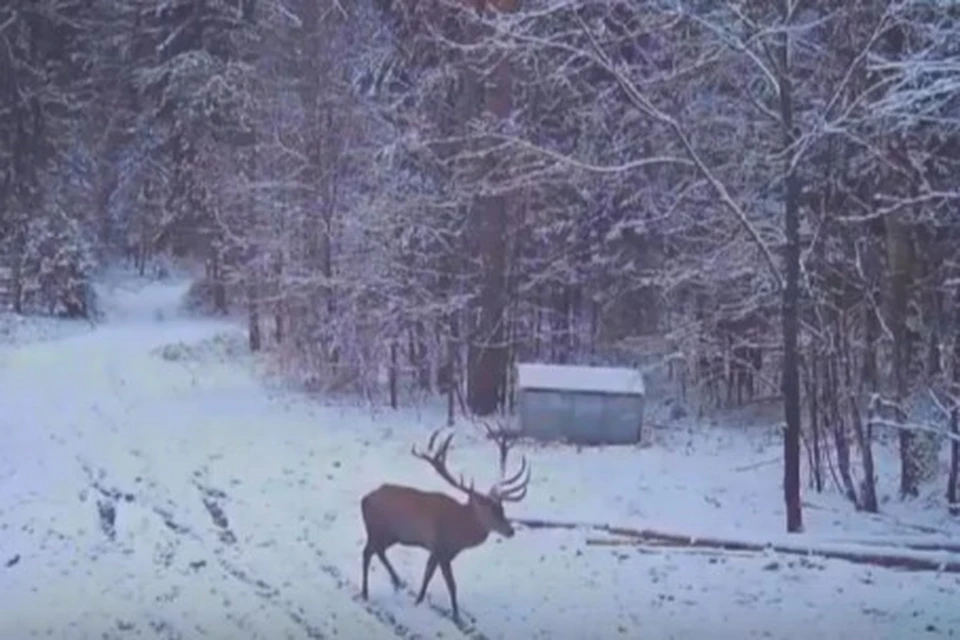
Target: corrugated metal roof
<point x="559" y="377"/>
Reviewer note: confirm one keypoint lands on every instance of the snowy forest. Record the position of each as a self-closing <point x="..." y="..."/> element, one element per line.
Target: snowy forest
<point x="394" y="203"/>
<point x="755" y="201"/>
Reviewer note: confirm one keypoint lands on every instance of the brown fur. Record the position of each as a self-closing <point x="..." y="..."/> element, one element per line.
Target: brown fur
<point x="394" y="514"/>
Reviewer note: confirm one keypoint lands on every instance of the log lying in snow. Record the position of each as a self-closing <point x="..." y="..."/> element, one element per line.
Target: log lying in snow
<point x="891" y="557"/>
<point x="645" y="546"/>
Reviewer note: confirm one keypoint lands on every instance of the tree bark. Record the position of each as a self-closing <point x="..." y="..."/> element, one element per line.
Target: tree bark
<point x="216" y="278"/>
<point x="839" y="431"/>
<point x="872" y="330"/>
<point x="900" y="258"/>
<point x="864" y="438"/>
<point x="791" y="296"/>
<point x="953" y="479"/>
<point x="393" y="374"/>
<point x="487" y="360"/>
<point x="253" y="315"/>
<point x="16" y="272"/>
<point x="813" y="391"/>
<point x="954" y="476"/>
<point x="279" y="306"/>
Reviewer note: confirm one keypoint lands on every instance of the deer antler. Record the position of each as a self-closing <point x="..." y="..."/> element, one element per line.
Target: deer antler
<point x="514" y="488"/>
<point x="501" y="437"/>
<point x="436" y="457"/>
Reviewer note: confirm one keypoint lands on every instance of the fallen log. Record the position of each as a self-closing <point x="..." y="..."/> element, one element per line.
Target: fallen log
<point x="627" y="542"/>
<point x="646" y="546"/>
<point x="917" y="543"/>
<point x="886" y="557"/>
<point x="893" y="543"/>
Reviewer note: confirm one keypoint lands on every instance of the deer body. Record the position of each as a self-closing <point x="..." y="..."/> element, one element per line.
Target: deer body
<point x="414" y="518"/>
<point x="396" y="514"/>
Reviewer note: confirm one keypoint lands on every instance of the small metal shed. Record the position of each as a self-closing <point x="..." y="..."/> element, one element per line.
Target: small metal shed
<point x="579" y="404"/>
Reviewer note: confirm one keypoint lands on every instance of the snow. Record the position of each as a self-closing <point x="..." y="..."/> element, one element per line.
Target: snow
<point x="579" y="378"/>
<point x="165" y="418"/>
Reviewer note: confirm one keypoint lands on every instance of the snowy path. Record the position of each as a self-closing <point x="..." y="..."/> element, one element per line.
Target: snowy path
<point x="143" y="496"/>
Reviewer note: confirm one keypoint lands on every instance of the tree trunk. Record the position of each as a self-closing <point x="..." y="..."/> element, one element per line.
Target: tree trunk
<point x="870" y="349"/>
<point x="453" y="362"/>
<point x="954" y="475"/>
<point x="561" y="324"/>
<point x="393" y="375"/>
<point x="16" y="274"/>
<point x="900" y="258"/>
<point x="813" y="391"/>
<point x="868" y="488"/>
<point x="791" y="297"/>
<point x="419" y="354"/>
<point x="142" y="252"/>
<point x="216" y="280"/>
<point x="839" y="431"/>
<point x="279" y="306"/>
<point x="253" y="316"/>
<point x="488" y="350"/>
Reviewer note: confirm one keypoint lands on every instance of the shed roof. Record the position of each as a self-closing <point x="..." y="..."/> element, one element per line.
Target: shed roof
<point x="561" y="377"/>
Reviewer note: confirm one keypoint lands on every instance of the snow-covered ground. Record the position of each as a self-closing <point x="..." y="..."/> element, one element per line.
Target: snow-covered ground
<point x="235" y="511"/>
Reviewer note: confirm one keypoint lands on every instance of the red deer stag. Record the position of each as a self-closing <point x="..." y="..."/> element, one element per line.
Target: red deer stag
<point x="394" y="514"/>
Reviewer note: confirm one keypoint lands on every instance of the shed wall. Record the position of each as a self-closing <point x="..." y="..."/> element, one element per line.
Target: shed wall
<point x="583" y="418"/>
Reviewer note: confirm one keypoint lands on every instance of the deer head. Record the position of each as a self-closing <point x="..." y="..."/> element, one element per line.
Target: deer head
<point x="487" y="507"/>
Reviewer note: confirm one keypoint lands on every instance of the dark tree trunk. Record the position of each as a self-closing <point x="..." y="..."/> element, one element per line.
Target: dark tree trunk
<point x="870" y="349"/>
<point x="954" y="475"/>
<point x="900" y="260"/>
<point x="841" y="441"/>
<point x="215" y="274"/>
<point x="488" y="348"/>
<point x="17" y="275"/>
<point x="421" y="362"/>
<point x="453" y="364"/>
<point x="537" y="321"/>
<point x="561" y="324"/>
<point x="278" y="333"/>
<point x="814" y="391"/>
<point x="253" y="318"/>
<point x="934" y="366"/>
<point x="279" y="307"/>
<point x="393" y="375"/>
<point x="253" y="272"/>
<point x="791" y="300"/>
<point x="868" y="488"/>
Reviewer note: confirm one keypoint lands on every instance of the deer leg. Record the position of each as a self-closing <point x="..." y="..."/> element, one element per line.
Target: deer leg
<point x="367" y="554"/>
<point x="427" y="574"/>
<point x="447" y="572"/>
<point x="397" y="583"/>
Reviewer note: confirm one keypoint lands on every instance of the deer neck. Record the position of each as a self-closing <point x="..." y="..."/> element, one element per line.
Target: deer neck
<point x="474" y="533"/>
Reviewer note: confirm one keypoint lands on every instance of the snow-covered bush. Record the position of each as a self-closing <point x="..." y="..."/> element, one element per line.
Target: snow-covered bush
<point x="58" y="262"/>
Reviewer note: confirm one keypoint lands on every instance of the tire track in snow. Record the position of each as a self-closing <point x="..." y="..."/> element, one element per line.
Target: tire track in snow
<point x="347" y="586"/>
<point x="261" y="588"/>
<point x="466" y="626"/>
<point x="213" y="501"/>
